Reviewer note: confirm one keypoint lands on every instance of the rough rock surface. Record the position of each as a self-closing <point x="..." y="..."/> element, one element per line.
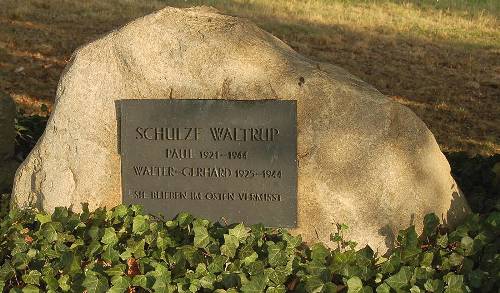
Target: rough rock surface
<point x="364" y="160"/>
<point x="7" y="136"/>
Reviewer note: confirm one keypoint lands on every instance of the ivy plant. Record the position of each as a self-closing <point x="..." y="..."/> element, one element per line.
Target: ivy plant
<point x="125" y="250"/>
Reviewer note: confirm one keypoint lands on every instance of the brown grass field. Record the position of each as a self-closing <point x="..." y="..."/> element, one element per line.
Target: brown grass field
<point x="440" y="58"/>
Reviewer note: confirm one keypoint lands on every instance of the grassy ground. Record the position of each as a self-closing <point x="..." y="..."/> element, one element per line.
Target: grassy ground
<point x="440" y="58"/>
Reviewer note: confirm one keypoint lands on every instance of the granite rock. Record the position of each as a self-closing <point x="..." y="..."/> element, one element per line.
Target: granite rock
<point x="364" y="159"/>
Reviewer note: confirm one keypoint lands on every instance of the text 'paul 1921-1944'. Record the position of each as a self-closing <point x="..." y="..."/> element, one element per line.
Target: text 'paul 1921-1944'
<point x="219" y="159"/>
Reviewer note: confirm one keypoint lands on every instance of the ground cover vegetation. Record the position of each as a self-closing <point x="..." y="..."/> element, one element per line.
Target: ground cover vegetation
<point x="123" y="250"/>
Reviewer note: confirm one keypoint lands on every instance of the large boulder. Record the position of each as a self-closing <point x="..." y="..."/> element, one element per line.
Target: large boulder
<point x="8" y="165"/>
<point x="364" y="160"/>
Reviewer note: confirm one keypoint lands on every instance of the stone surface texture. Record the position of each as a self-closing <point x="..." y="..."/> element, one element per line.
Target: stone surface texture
<point x="364" y="160"/>
<point x="7" y="141"/>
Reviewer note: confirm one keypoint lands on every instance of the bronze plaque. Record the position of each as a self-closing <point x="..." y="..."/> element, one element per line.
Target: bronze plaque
<point x="217" y="159"/>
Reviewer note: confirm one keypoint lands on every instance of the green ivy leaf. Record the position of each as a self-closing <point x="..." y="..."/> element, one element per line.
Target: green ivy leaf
<point x="120" y="211"/>
<point x="43" y="218"/>
<point x="120" y="284"/>
<point x="476" y="278"/>
<point x="161" y="273"/>
<point x="140" y="224"/>
<point x="431" y="222"/>
<point x="410" y="254"/>
<point x="60" y="214"/>
<point x="31" y="289"/>
<point x="240" y="232"/>
<point x="85" y="212"/>
<point x="455" y="259"/>
<point x="383" y="288"/>
<point x="49" y="231"/>
<point x="278" y="275"/>
<point x="94" y="232"/>
<point x="109" y="236"/>
<point x="71" y="263"/>
<point x="136" y="248"/>
<point x="319" y="253"/>
<point x="110" y="254"/>
<point x="276" y="254"/>
<point x="137" y="209"/>
<point x="32" y="278"/>
<point x="434" y="285"/>
<point x="76" y="244"/>
<point x="140" y="281"/>
<point x="467" y="245"/>
<point x="64" y="283"/>
<point x="314" y="284"/>
<point x="392" y="264"/>
<point x="201" y="237"/>
<point x="163" y="241"/>
<point x="329" y="288"/>
<point x="427" y="259"/>
<point x="494" y="219"/>
<point x="257" y="284"/>
<point x="51" y="282"/>
<point x="231" y="243"/>
<point x="408" y="237"/>
<point x="400" y="280"/>
<point x="217" y="264"/>
<point x="94" y="283"/>
<point x="208" y="281"/>
<point x="442" y="241"/>
<point x="455" y="283"/>
<point x="184" y="219"/>
<point x="292" y="242"/>
<point x="93" y="248"/>
<point x="354" y="285"/>
<point x="6" y="272"/>
<point x="117" y="270"/>
<point x="161" y="286"/>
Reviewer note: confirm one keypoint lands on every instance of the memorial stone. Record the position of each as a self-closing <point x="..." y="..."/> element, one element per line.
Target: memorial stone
<point x="363" y="159"/>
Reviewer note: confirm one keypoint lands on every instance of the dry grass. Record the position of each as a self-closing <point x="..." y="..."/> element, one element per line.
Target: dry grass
<point x="442" y="59"/>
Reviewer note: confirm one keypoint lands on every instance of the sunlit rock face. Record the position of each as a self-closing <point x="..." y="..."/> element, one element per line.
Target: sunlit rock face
<point x="7" y="136"/>
<point x="363" y="159"/>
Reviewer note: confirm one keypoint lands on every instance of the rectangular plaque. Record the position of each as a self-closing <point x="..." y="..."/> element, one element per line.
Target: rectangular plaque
<point x="217" y="159"/>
